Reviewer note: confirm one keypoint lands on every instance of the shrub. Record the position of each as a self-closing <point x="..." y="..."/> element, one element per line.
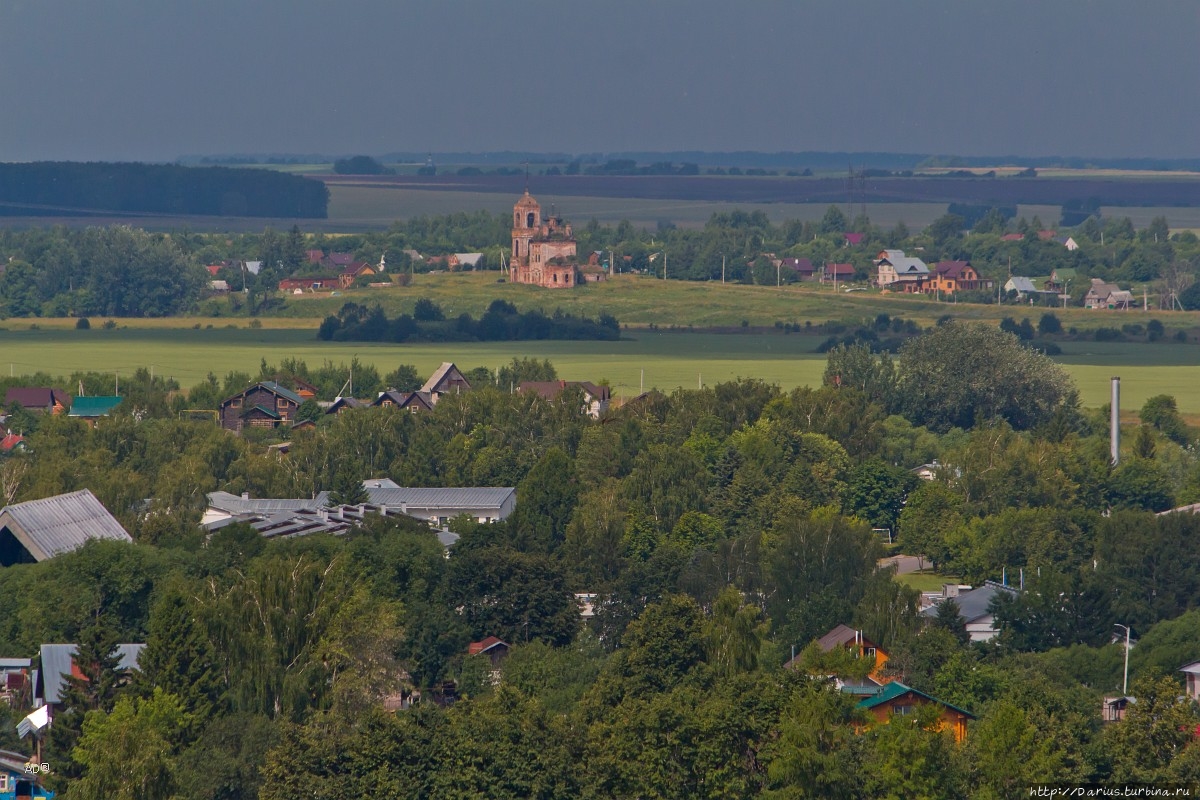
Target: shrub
<point x="109" y="324"/>
<point x="1108" y="335"/>
<point x="83" y="324"/>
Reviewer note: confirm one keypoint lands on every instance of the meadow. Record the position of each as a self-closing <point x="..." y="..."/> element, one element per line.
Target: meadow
<point x="644" y="358"/>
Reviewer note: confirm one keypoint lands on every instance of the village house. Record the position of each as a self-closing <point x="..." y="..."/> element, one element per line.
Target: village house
<point x="16" y="682"/>
<point x="837" y="273"/>
<point x="266" y="404"/>
<point x="1191" y="680"/>
<point x="957" y="276"/>
<point x="90" y="409"/>
<point x="18" y="782"/>
<point x="414" y="402"/>
<point x="595" y="398"/>
<point x="1059" y="280"/>
<point x="38" y="399"/>
<point x="543" y="250"/>
<point x="1022" y="286"/>
<point x="37" y="530"/>
<point x="973" y="607"/>
<point x="900" y="273"/>
<point x="1103" y="295"/>
<point x="803" y="267"/>
<point x="354" y="271"/>
<point x="446" y="379"/>
<point x="897" y="700"/>
<point x="57" y="662"/>
<point x="493" y="647"/>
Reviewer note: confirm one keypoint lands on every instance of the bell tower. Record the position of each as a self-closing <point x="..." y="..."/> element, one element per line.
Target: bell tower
<point x="527" y="220"/>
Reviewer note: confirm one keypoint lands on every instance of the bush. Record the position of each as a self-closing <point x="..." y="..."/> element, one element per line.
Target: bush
<point x="1108" y="335"/>
<point x="109" y="324"/>
<point x="1049" y="324"/>
<point x="1154" y="330"/>
<point x="83" y="324"/>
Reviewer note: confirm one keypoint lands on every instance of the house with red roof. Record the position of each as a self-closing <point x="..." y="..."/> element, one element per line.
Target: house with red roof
<point x="803" y="267"/>
<point x="839" y="273"/>
<point x="493" y="647"/>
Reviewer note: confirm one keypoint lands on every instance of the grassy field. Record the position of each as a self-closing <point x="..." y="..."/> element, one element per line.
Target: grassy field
<point x="644" y="358"/>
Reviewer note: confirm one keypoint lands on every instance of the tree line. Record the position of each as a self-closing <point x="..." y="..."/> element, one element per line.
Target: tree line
<point x="53" y="188"/>
<point x="501" y="322"/>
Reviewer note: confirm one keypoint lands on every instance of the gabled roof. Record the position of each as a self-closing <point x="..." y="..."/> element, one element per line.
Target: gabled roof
<point x="469" y="259"/>
<point x="1020" y="284"/>
<point x="56" y="666"/>
<point x="270" y="412"/>
<point x="93" y="406"/>
<point x="443" y="375"/>
<point x="904" y="265"/>
<point x="35" y="397"/>
<point x="10" y="441"/>
<point x="341" y="259"/>
<point x="896" y="690"/>
<point x="839" y="269"/>
<point x="235" y="504"/>
<point x="55" y="525"/>
<point x="491" y="642"/>
<point x="1192" y="668"/>
<point x="1012" y="237"/>
<point x="345" y="402"/>
<point x="799" y="264"/>
<point x="549" y="390"/>
<point x="951" y="269"/>
<point x="843" y="635"/>
<point x="854" y="238"/>
<point x="271" y="386"/>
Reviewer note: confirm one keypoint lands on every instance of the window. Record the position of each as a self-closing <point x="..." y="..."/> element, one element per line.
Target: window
<point x="281" y="402"/>
<point x="4" y="787"/>
<point x="235" y="402"/>
<point x="902" y="710"/>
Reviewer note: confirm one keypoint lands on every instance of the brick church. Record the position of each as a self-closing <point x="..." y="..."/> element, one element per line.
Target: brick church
<point x="543" y="250"/>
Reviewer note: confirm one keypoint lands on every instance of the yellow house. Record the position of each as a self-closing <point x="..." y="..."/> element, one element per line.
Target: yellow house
<point x="845" y="636"/>
<point x="898" y="700"/>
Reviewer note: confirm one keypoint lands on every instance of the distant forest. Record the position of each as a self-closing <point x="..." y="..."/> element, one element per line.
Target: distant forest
<point x="53" y="188"/>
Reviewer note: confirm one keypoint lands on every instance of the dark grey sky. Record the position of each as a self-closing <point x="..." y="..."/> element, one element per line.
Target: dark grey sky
<point x="132" y="79"/>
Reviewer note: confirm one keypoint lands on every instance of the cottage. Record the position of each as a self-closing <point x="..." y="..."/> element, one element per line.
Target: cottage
<point x="957" y="276"/>
<point x="1112" y="709"/>
<point x="58" y="662"/>
<point x="342" y="404"/>
<point x="354" y="271"/>
<point x="18" y="781"/>
<point x="15" y="681"/>
<point x="1107" y="296"/>
<point x="973" y="608"/>
<point x="492" y="647"/>
<point x="803" y="267"/>
<point x="595" y="398"/>
<point x="266" y="404"/>
<point x="39" y="399"/>
<point x="446" y="379"/>
<point x="1022" y="286"/>
<point x="860" y="645"/>
<point x="12" y="443"/>
<point x="897" y="700"/>
<point x="37" y="530"/>
<point x="91" y="409"/>
<point x="1059" y="280"/>
<point x="837" y="273"/>
<point x="318" y="283"/>
<point x="900" y="273"/>
<point x="1191" y="677"/>
<point x="414" y="402"/>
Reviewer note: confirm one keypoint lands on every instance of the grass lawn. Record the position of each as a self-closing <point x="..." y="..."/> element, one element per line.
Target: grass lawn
<point x="926" y="580"/>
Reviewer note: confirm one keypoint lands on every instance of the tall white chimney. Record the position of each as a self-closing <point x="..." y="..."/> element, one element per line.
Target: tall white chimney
<point x="1115" y="421"/>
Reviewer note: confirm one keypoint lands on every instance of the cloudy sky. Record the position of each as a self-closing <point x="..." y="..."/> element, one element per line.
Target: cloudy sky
<point x="133" y="79"/>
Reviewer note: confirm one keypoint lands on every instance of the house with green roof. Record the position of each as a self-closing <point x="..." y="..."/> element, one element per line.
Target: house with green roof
<point x="266" y="404"/>
<point x="91" y="409"/>
<point x="897" y="700"/>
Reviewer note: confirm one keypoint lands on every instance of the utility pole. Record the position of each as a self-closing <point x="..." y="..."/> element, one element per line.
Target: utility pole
<point x="1125" y="680"/>
<point x="722" y="269"/>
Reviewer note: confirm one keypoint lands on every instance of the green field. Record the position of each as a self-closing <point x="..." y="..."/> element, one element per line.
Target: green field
<point x="644" y="358"/>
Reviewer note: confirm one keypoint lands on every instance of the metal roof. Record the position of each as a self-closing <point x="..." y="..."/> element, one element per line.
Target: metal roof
<point x="451" y="498"/>
<point x="973" y="604"/>
<point x="15" y="663"/>
<point x="59" y="524"/>
<point x="896" y="689"/>
<point x="234" y="504"/>
<point x="56" y="665"/>
<point x="93" y="406"/>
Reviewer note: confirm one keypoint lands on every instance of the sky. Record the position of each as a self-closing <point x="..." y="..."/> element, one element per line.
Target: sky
<point x="139" y="80"/>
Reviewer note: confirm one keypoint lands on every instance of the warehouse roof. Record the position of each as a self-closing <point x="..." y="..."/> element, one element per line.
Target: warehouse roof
<point x="55" y="525"/>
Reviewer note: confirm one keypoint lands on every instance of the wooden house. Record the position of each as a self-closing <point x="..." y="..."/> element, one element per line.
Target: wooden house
<point x="837" y="273"/>
<point x="19" y="781"/>
<point x="353" y="272"/>
<point x="414" y="402"/>
<point x="492" y="647"/>
<point x="266" y="404"/>
<point x="38" y="399"/>
<point x="860" y="645"/>
<point x="595" y="398"/>
<point x="897" y="700"/>
<point x="446" y="379"/>
<point x="957" y="276"/>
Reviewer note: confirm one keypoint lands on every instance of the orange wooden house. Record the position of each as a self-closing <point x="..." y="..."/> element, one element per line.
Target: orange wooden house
<point x="897" y="700"/>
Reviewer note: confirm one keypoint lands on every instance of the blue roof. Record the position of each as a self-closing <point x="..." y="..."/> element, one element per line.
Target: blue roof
<point x="896" y="689"/>
<point x="93" y="406"/>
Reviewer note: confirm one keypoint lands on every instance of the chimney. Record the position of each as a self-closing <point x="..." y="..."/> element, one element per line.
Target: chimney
<point x="949" y="590"/>
<point x="245" y="495"/>
<point x="1115" y="422"/>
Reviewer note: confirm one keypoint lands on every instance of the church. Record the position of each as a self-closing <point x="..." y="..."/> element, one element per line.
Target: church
<point x="543" y="250"/>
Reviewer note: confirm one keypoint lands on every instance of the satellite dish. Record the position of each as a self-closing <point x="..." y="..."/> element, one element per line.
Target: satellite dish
<point x="35" y="723"/>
